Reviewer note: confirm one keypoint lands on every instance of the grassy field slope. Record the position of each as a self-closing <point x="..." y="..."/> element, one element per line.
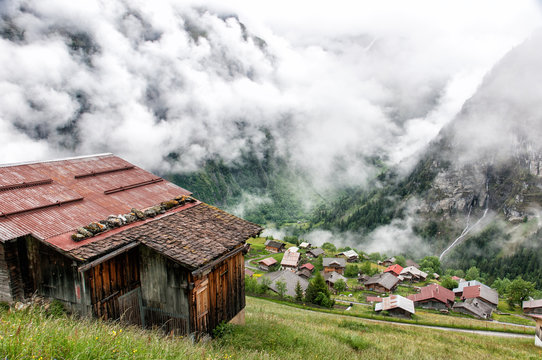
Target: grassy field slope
<point x="272" y="331"/>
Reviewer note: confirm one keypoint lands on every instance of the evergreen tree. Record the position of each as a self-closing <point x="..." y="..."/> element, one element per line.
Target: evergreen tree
<point x="298" y="292"/>
<point x="472" y="274"/>
<point x="316" y="286"/>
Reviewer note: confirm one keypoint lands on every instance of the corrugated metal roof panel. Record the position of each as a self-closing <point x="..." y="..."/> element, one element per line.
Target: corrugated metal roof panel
<point x="48" y="222"/>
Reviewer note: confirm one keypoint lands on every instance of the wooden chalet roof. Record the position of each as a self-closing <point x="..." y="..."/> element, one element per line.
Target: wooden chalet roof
<point x="532" y="304"/>
<point x="334" y="262"/>
<point x="290" y="259"/>
<point x="481" y="292"/>
<point x="396" y="269"/>
<point x="192" y="237"/>
<point x="385" y="280"/>
<point x="275" y="244"/>
<point x="434" y="291"/>
<point x="268" y="261"/>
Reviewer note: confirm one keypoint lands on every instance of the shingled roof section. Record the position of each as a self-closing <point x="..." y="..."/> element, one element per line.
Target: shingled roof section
<point x="192" y="237"/>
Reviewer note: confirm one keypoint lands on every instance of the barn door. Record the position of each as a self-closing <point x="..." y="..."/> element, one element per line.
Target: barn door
<point x="130" y="306"/>
<point x="112" y="279"/>
<point x="202" y="306"/>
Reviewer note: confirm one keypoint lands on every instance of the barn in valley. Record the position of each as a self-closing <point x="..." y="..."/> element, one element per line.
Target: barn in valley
<point x="112" y="240"/>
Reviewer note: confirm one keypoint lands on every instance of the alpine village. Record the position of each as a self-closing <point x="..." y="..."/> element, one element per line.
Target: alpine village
<point x="228" y="181"/>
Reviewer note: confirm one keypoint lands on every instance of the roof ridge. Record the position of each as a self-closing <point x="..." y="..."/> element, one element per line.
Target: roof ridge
<point x="55" y="160"/>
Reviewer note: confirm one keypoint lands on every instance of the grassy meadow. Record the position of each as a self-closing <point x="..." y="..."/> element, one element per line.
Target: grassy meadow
<point x="272" y="331"/>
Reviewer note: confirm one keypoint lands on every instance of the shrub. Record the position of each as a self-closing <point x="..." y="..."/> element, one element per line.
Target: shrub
<point x="223" y="329"/>
<point x="56" y="309"/>
<point x="4" y="307"/>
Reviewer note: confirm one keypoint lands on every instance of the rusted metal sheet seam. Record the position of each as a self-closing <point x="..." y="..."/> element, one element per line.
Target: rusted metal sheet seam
<point x="26" y="184"/>
<point x="132" y="186"/>
<point x="58" y="203"/>
<point x="103" y="171"/>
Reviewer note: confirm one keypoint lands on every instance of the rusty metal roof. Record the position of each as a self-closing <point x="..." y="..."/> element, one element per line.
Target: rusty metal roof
<point x="50" y="198"/>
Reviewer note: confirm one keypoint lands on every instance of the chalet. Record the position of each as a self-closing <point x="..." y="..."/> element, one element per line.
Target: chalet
<point x="436" y="276"/>
<point x="249" y="273"/>
<point x="332" y="277"/>
<point x="304" y="273"/>
<point x="167" y="260"/>
<point x="458" y="279"/>
<point x="411" y="262"/>
<point x="289" y="278"/>
<point x="267" y="263"/>
<point x="395" y="270"/>
<point x="384" y="282"/>
<point x="458" y="291"/>
<point x="474" y="307"/>
<point x="389" y="261"/>
<point x="538" y="329"/>
<point x="413" y="274"/>
<point x="433" y="297"/>
<point x="532" y="307"/>
<point x="315" y="252"/>
<point x="350" y="255"/>
<point x="396" y="306"/>
<point x="305" y="245"/>
<point x="274" y="246"/>
<point x="334" y="264"/>
<point x="308" y="266"/>
<point x="363" y="278"/>
<point x="483" y="293"/>
<point x="290" y="260"/>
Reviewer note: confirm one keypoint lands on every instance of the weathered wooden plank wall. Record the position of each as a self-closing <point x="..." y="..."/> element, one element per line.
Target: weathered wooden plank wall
<point x="5" y="281"/>
<point x="226" y="289"/>
<point x="164" y="285"/>
<point x="111" y="279"/>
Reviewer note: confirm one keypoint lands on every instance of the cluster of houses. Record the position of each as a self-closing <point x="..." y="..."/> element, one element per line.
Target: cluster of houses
<point x="476" y="299"/>
<point x="291" y="271"/>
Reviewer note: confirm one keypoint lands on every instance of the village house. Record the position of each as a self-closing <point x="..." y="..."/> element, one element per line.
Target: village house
<point x="395" y="270"/>
<point x="308" y="266"/>
<point x="290" y="260"/>
<point x="433" y="297"/>
<point x="538" y="329"/>
<point x="411" y="262"/>
<point x="483" y="293"/>
<point x="396" y="306"/>
<point x="249" y="273"/>
<point x="350" y="255"/>
<point x="382" y="283"/>
<point x="532" y="307"/>
<point x="305" y="245"/>
<point x="474" y="307"/>
<point x="458" y="279"/>
<point x="334" y="264"/>
<point x="388" y="261"/>
<point x="458" y="291"/>
<point x="274" y="246"/>
<point x="314" y="253"/>
<point x="363" y="278"/>
<point x="304" y="273"/>
<point x="267" y="263"/>
<point x="332" y="277"/>
<point x="373" y="299"/>
<point x="289" y="278"/>
<point x="413" y="274"/>
<point x="167" y="260"/>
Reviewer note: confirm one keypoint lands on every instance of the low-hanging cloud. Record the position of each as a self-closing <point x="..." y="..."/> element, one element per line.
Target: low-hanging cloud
<point x="196" y="81"/>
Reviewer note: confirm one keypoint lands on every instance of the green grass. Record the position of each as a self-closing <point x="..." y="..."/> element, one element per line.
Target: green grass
<point x="272" y="331"/>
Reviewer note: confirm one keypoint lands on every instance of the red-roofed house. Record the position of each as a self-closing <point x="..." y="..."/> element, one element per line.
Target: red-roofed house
<point x="434" y="297"/>
<point x="159" y="263"/>
<point x="307" y="266"/>
<point x="266" y="264"/>
<point x="481" y="292"/>
<point x="394" y="269"/>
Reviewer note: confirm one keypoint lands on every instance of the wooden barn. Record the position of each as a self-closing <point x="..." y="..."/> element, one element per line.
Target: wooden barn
<point x="163" y="259"/>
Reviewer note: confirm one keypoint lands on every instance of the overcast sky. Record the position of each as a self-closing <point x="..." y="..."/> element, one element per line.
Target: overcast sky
<point x="336" y="81"/>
